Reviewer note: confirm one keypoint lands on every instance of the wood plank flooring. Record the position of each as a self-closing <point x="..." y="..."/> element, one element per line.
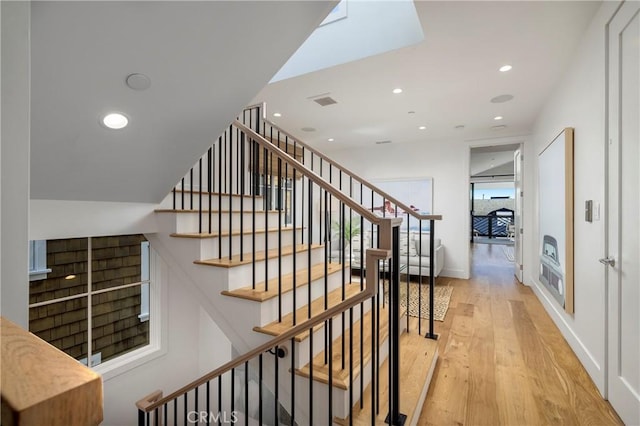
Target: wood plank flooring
<point x="502" y="359"/>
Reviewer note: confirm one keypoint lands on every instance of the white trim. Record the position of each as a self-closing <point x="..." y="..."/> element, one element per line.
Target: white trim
<point x="590" y="363"/>
<point x="38" y="260"/>
<point x="157" y="326"/>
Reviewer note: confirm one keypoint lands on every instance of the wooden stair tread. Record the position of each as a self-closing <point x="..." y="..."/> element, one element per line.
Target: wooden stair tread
<point x="212" y="211"/>
<point x="201" y="235"/>
<point x="224" y="195"/>
<point x="227" y="262"/>
<point x="260" y="295"/>
<point x="317" y="306"/>
<point x="418" y="356"/>
<point x="341" y="376"/>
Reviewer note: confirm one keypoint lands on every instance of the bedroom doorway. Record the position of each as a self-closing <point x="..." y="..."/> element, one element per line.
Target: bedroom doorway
<point x="495" y="191"/>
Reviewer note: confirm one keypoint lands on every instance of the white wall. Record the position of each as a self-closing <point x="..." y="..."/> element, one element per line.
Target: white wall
<point x="579" y="102"/>
<point x="14" y="153"/>
<point x="447" y="162"/>
<point x="52" y="219"/>
<point x="192" y="345"/>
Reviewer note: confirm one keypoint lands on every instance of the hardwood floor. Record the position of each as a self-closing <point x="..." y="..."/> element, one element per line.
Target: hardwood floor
<point x="502" y="359"/>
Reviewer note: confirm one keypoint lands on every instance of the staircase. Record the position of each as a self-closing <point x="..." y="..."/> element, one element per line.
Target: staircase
<point x="258" y="225"/>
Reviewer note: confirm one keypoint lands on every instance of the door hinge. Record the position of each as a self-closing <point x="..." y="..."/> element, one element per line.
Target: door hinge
<point x="521" y="268"/>
<point x="521" y="231"/>
<point x="522" y="193"/>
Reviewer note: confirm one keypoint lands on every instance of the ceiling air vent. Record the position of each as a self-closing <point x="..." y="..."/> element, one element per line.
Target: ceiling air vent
<point x="382" y="142"/>
<point x="327" y="100"/>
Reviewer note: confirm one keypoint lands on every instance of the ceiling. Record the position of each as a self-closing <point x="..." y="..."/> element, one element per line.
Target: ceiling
<point x="205" y="60"/>
<point x="448" y="79"/>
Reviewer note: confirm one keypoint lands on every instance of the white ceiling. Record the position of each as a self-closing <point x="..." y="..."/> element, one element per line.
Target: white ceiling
<point x="206" y="60"/>
<point x="448" y="79"/>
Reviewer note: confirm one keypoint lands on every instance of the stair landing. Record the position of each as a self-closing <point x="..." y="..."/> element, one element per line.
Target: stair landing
<point x="418" y="360"/>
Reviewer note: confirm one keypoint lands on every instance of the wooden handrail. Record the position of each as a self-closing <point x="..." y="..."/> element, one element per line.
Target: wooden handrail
<point x="311" y="175"/>
<point x="370" y="289"/>
<point x="41" y="385"/>
<point x="374" y="188"/>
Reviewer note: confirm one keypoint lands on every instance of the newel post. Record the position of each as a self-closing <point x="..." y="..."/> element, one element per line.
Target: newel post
<point x="394" y="417"/>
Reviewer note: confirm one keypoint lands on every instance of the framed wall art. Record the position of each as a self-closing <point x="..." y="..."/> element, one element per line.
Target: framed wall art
<point x="555" y="202"/>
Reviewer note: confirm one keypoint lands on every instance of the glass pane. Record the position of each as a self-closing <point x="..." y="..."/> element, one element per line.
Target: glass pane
<point x="116" y="261"/>
<point x="117" y="327"/>
<point x="62" y="324"/>
<point x="67" y="260"/>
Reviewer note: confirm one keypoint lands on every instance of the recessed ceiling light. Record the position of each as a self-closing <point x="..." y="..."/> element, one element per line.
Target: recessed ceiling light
<point x="498" y="117"/>
<point x="308" y="129"/>
<point x="397" y="90"/>
<point x="330" y="139"/>
<point x="115" y="121"/>
<point x="422" y="127"/>
<point x="277" y="114"/>
<point x="505" y="68"/>
<point x="69" y="277"/>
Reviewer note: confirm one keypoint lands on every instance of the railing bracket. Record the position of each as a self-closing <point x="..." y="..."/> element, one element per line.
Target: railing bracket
<point x="400" y="421"/>
<point x="280" y="352"/>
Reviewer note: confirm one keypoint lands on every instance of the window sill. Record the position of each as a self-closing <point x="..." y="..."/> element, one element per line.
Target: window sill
<point x="124" y="363"/>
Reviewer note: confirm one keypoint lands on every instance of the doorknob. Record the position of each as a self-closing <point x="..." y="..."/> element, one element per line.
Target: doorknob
<point x="608" y="261"/>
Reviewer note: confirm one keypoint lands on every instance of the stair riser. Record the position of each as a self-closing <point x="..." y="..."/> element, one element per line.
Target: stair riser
<point x="269" y="308"/>
<point x="242" y="275"/>
<point x="190" y="222"/>
<point x="302" y="351"/>
<point x="216" y="204"/>
<point x="209" y="246"/>
<point x="321" y="390"/>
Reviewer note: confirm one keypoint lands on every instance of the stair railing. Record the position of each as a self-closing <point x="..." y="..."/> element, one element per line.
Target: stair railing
<point x="196" y="401"/>
<point x="374" y="199"/>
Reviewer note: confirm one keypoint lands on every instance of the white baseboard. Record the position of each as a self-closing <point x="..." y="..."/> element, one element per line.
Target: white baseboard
<point x="588" y="361"/>
<point x="454" y="273"/>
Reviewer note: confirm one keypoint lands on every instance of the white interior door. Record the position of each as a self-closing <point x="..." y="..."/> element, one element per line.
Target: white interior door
<point x="623" y="226"/>
<point x="517" y="180"/>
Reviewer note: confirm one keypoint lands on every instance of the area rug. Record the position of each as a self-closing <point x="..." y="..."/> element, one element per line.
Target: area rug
<point x="441" y="299"/>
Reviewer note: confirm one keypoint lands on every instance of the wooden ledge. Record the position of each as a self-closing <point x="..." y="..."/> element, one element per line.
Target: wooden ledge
<point x="340" y="376"/>
<point x="202" y="235"/>
<point x="418" y="357"/>
<point x="317" y="306"/>
<point x="247" y="258"/>
<point x="42" y="385"/>
<point x="259" y="294"/>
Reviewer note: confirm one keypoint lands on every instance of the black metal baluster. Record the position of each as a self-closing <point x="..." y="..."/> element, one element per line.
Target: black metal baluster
<point x="294" y="203"/>
<point x="351" y="365"/>
<point x="256" y="185"/>
<point x="173" y="192"/>
<point x="196" y="399"/>
<point x="246" y="393"/>
<point x="208" y="400"/>
<point x="210" y="171"/>
<point x="260" y="386"/>
<point x="419" y="277"/>
<point x="293" y="380"/>
<point x="233" y="390"/>
<point x="343" y="270"/>
<point x="330" y="386"/>
<point x="241" y="178"/>
<point x="276" y="388"/>
<point x="185" y="407"/>
<point x="327" y="232"/>
<point x="432" y="279"/>
<point x="191" y="189"/>
<point x="311" y="374"/>
<point x="310" y="221"/>
<point x="220" y="164"/>
<point x="374" y="360"/>
<point x="182" y="194"/>
<point x="175" y="411"/>
<point x="200" y="195"/>
<point x="219" y="396"/>
<point x="229" y="161"/>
